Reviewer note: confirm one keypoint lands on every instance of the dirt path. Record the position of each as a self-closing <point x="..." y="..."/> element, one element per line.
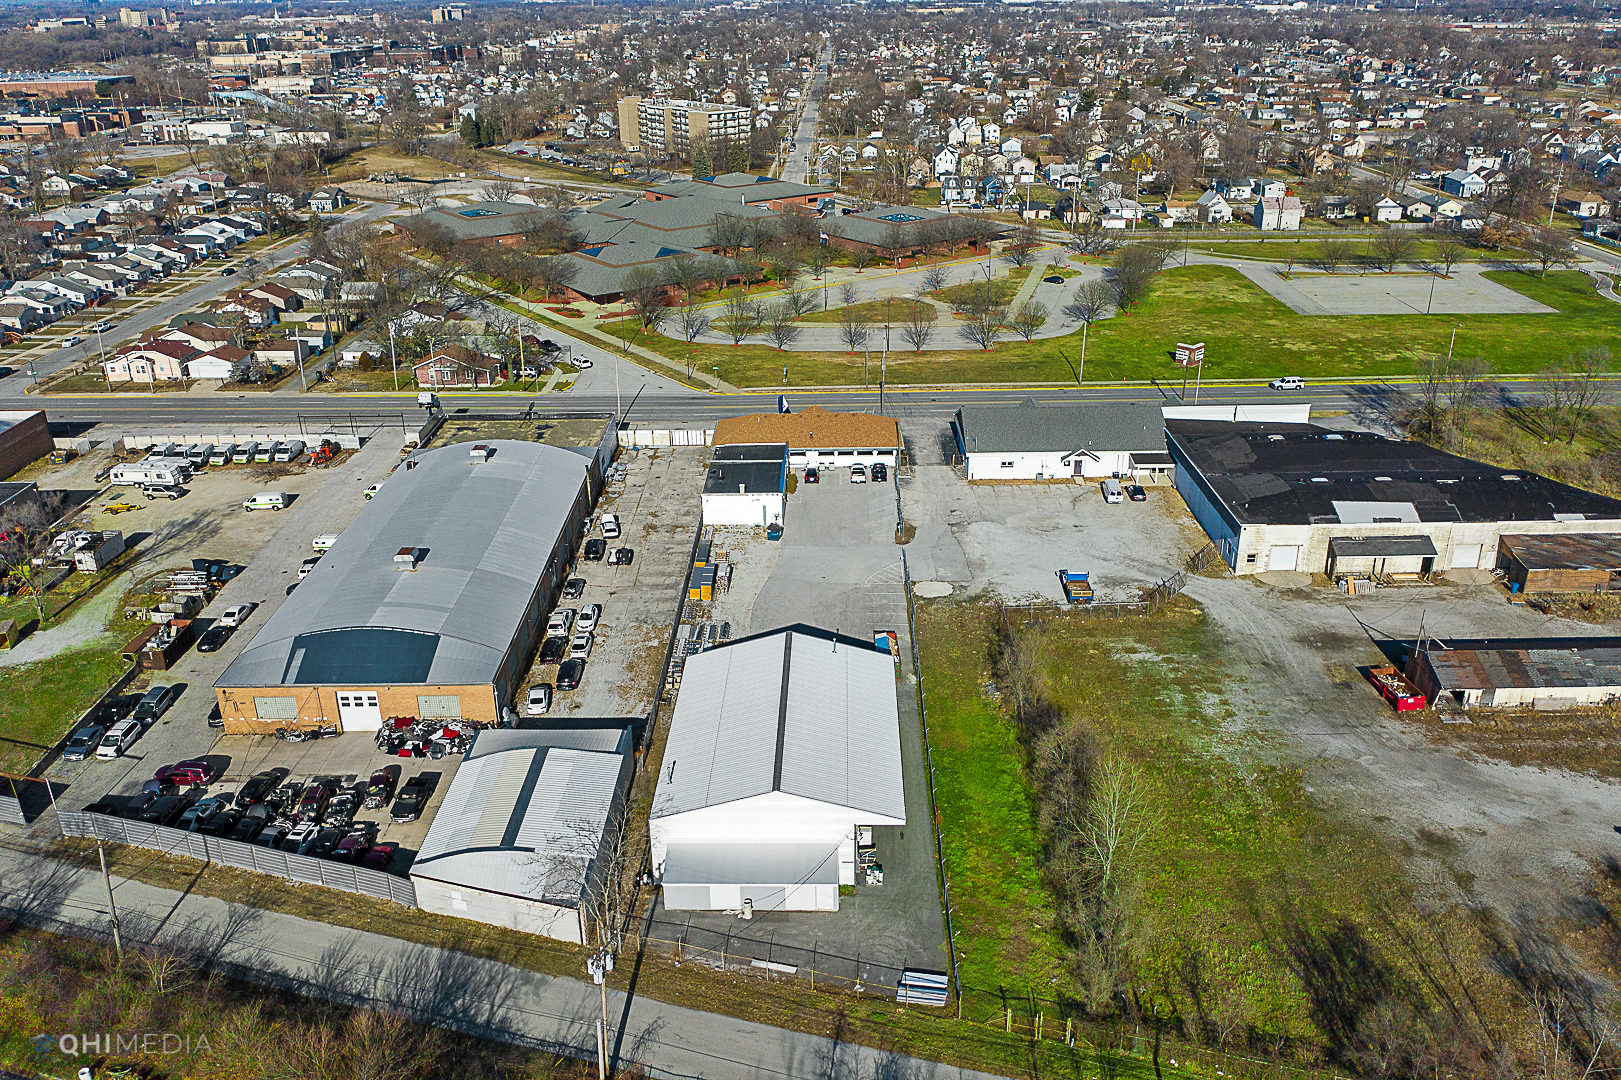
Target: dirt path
<point x="86" y="626"/>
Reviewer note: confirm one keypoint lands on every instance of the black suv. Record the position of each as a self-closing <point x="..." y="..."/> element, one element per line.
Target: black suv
<point x="595" y="549"/>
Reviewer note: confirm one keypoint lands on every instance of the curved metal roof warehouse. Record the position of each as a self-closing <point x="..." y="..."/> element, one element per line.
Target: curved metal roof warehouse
<point x="428" y="602"/>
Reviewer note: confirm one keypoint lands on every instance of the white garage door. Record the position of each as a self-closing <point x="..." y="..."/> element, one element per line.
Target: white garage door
<point x="1283" y="557"/>
<point x="1466" y="557"/>
<point x="358" y="711"/>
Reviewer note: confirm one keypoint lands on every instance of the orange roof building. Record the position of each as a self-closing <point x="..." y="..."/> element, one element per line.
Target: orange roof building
<point x="817" y="437"/>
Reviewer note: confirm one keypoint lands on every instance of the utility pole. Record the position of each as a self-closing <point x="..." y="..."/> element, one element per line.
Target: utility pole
<point x="393" y="360"/>
<point x="1452" y="341"/>
<point x="112" y="908"/>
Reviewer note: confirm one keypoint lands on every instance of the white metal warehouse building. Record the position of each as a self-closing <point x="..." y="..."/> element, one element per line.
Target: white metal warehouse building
<point x="781" y="746"/>
<point x="520" y="837"/>
<point x="746" y="485"/>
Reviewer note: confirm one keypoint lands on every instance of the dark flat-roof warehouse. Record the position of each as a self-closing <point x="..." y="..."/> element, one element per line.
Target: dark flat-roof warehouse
<point x="1301" y="474"/>
<point x="481" y="532"/>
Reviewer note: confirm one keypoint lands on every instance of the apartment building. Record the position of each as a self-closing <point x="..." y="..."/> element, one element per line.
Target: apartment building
<point x="670" y="128"/>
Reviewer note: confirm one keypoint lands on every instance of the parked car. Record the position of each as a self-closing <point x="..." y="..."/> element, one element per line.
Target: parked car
<point x="271" y="835"/>
<point x="119" y="738"/>
<point x="379" y="789"/>
<point x="312" y="804"/>
<point x="1053" y="279"/>
<point x="560" y="623"/>
<point x="1112" y="492"/>
<point x="352" y="848"/>
<point x="621" y="556"/>
<point x="341" y="810"/>
<point x="247" y="828"/>
<point x="880" y="473"/>
<point x="83" y="742"/>
<point x="227" y="271"/>
<point x="412" y="800"/>
<point x="858" y="474"/>
<point x="71" y="340"/>
<point x="214" y="637"/>
<point x="163" y="491"/>
<point x="610" y="526"/>
<point x="301" y="833"/>
<point x="812" y="476"/>
<point x="1288" y="382"/>
<point x="579" y="647"/>
<point x="539" y="702"/>
<point x="155" y="704"/>
<point x="188" y="773"/>
<point x="306" y="566"/>
<point x="199" y="815"/>
<point x="581" y="362"/>
<point x="258" y="788"/>
<point x="379" y="857"/>
<point x="326" y="842"/>
<point x="136" y="805"/>
<point x="224" y="822"/>
<point x="574" y="588"/>
<point x="306" y="845"/>
<point x="570" y="674"/>
<point x="165" y="808"/>
<point x="552" y="650"/>
<point x="236" y="614"/>
<point x="595" y="549"/>
<point x="369" y="492"/>
<point x="589" y="616"/>
<point x="1135" y="493"/>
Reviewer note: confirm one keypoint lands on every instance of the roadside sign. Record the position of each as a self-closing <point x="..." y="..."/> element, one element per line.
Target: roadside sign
<point x="1189" y="355"/>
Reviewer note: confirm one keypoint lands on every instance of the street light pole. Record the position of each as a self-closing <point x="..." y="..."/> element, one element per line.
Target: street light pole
<point x="1452" y="341"/>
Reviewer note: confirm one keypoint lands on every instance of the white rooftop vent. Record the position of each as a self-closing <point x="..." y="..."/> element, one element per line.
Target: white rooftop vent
<point x="406" y="558"/>
<point x="1381" y="478"/>
<point x="1274" y="438"/>
<point x="1319" y="479"/>
<point x="1332" y="438"/>
<point x="481" y="452"/>
<point x="1510" y="476"/>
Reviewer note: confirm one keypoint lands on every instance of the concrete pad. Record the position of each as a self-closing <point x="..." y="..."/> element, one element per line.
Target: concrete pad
<point x="930" y="590"/>
<point x="936" y="554"/>
<point x="1470" y="577"/>
<point x="1465" y="293"/>
<point x="1284" y="579"/>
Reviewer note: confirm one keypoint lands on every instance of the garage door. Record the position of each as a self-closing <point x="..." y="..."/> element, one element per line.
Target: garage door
<point x="1466" y="557"/>
<point x="358" y="711"/>
<point x="1284" y="557"/>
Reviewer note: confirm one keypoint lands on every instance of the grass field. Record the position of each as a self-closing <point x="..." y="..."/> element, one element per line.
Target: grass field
<point x="873" y="311"/>
<point x="1228" y="824"/>
<point x="1308" y="251"/>
<point x="1248" y="335"/>
<point x="38" y="701"/>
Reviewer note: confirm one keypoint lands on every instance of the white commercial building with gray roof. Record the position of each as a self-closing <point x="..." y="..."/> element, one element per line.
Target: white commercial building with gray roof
<point x="430" y="602"/>
<point x="527" y="831"/>
<point x="1051" y="442"/>
<point x="782" y="748"/>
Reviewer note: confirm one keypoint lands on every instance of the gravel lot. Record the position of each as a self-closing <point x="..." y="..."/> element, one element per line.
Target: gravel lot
<point x="1472" y="828"/>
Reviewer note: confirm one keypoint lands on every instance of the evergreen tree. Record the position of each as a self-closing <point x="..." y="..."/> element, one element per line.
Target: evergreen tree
<point x="737" y="156"/>
<point x="489" y="131"/>
<point x="700" y="160"/>
<point x="469" y="131"/>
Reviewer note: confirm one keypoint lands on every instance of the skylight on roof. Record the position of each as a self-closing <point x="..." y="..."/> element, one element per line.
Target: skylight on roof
<point x="478" y="211"/>
<point x="900" y="217"/>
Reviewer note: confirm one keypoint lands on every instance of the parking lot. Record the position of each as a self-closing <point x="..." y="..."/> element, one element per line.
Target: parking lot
<point x="210" y="522"/>
<point x="658" y="512"/>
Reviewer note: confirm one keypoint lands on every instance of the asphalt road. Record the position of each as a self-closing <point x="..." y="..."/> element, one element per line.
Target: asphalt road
<point x="448" y="989"/>
<point x="797" y="167"/>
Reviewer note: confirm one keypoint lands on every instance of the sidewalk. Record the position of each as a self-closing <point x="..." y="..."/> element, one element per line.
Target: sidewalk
<point x="437" y="986"/>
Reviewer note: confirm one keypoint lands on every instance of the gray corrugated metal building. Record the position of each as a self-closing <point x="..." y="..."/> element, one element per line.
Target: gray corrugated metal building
<point x="430" y="602"/>
<point x="781" y="747"/>
<point x="525" y="832"/>
<point x="1504" y="674"/>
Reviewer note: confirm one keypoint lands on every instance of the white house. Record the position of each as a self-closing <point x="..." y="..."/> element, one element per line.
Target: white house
<point x="745" y="485"/>
<point x="1387" y="209"/>
<point x="1279" y="215"/>
<point x="1053" y="442"/>
<point x="1463" y="184"/>
<point x="783" y="754"/>
<point x="1213" y="208"/>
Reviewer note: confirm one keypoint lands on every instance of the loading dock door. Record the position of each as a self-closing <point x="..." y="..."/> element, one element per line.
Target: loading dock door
<point x="1283" y="557"/>
<point x="1466" y="557"/>
<point x="358" y="711"/>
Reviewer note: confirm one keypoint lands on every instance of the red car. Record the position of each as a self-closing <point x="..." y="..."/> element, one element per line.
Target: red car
<point x="194" y="773"/>
<point x="379" y="857"/>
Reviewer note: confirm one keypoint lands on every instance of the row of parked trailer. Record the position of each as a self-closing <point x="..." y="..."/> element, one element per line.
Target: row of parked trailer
<point x="174" y="464"/>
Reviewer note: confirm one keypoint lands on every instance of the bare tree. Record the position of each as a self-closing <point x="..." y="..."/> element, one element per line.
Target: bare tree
<point x="918" y="329"/>
<point x="1572" y="389"/>
<point x="1392" y="248"/>
<point x="1548" y="248"/>
<point x="817" y="257"/>
<point x="848" y="294"/>
<point x="740" y="315"/>
<point x="780" y="326"/>
<point x="1030" y="317"/>
<point x="24" y="541"/>
<point x="983" y="325"/>
<point x="797" y="300"/>
<point x="1091" y="238"/>
<point x="693" y="320"/>
<point x="1449" y="249"/>
<point x="934" y="278"/>
<point x="499" y="190"/>
<point x="861" y="258"/>
<point x="853" y="329"/>
<point x="1335" y="254"/>
<point x="644" y="288"/>
<point x="1092" y="300"/>
<point x="1132" y="273"/>
<point x="1021" y="245"/>
<point x="554" y="273"/>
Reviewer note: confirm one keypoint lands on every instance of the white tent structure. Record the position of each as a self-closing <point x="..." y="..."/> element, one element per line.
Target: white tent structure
<point x="781" y="746"/>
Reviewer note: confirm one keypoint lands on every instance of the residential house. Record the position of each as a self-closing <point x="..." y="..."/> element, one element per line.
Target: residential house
<point x="1387" y="210"/>
<point x="1463" y="184"/>
<point x="221" y="363"/>
<point x="282" y="352"/>
<point x="456" y="367"/>
<point x="1179" y="210"/>
<point x="1335" y="207"/>
<point x="16" y="315"/>
<point x="150" y="361"/>
<point x="1441" y="206"/>
<point x="328" y="200"/>
<point x="1584" y="204"/>
<point x="199" y="335"/>
<point x="1279" y="215"/>
<point x="1214" y="209"/>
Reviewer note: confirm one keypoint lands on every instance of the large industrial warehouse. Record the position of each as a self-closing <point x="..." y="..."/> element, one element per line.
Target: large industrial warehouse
<point x="526" y="830"/>
<point x="430" y="602"/>
<point x="1290" y="496"/>
<point x="781" y="746"/>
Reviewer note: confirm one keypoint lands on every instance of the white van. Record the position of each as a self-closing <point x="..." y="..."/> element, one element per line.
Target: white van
<point x="266" y="452"/>
<point x="222" y="454"/>
<point x="324" y="542"/>
<point x="119" y="738"/>
<point x="1112" y="492"/>
<point x="244" y="454"/>
<point x="290" y="451"/>
<point x="266" y="500"/>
